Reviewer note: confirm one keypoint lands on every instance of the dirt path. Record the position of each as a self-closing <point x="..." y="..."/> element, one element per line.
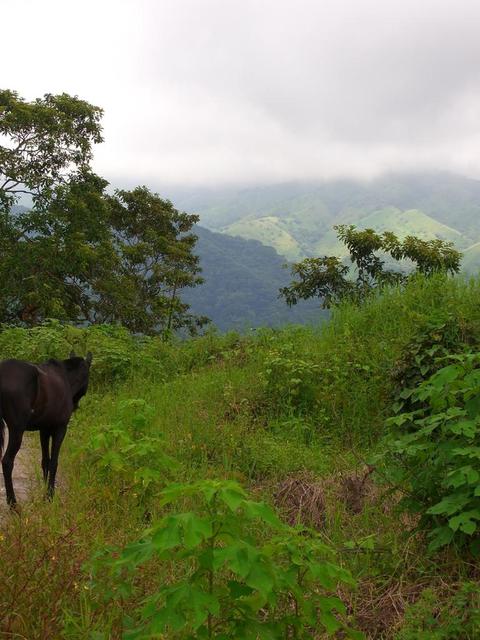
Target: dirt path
<point x="24" y="472"/>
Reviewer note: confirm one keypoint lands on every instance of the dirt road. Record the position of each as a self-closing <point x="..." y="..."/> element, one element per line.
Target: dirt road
<point x="24" y="472"/>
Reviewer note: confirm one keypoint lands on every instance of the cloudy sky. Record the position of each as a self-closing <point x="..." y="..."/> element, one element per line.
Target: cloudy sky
<point x="210" y="92"/>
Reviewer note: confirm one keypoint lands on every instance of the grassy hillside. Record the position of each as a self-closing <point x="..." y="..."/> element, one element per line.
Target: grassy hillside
<point x="269" y="230"/>
<point x="471" y="259"/>
<point x="294" y="416"/>
<point x="402" y="223"/>
<point x="295" y="218"/>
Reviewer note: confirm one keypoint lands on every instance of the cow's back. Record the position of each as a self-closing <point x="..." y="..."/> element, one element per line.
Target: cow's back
<point x="18" y="388"/>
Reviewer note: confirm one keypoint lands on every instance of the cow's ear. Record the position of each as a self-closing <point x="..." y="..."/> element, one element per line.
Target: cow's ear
<point x="72" y="354"/>
<point x="89" y="358"/>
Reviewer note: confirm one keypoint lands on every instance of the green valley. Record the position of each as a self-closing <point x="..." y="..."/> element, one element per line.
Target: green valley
<point x="297" y="219"/>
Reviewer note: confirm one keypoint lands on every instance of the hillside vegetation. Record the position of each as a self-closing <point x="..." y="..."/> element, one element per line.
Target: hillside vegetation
<point x="297" y="418"/>
<point x="296" y="219"/>
<point x="242" y="281"/>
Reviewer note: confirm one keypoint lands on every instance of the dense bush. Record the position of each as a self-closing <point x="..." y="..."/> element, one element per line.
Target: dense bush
<point x="117" y="354"/>
<point x="229" y="583"/>
<point x="444" y="616"/>
<point x="434" y="453"/>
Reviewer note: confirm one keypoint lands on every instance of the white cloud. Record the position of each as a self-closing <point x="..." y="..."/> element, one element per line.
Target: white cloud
<point x="222" y="91"/>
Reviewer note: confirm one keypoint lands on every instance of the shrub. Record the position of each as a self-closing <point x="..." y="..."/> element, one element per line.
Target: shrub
<point x="123" y="455"/>
<point x="290" y="379"/>
<point x="434" y="453"/>
<point x="227" y="583"/>
<point x="436" y="617"/>
<point x="439" y="337"/>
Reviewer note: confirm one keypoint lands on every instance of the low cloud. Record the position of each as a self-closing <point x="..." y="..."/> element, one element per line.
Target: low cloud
<point x="211" y="92"/>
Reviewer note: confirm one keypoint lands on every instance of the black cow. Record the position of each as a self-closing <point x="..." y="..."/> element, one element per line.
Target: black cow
<point x="39" y="398"/>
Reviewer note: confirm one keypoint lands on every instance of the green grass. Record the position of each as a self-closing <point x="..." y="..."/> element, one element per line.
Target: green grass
<point x="216" y="406"/>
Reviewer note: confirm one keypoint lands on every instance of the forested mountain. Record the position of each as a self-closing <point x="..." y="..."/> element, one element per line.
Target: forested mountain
<point x="297" y="219"/>
<point x="254" y="232"/>
<point x="242" y="280"/>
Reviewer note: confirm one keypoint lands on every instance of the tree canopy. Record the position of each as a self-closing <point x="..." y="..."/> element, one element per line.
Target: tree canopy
<point x="373" y="256"/>
<point x="43" y="143"/>
<point x="79" y="253"/>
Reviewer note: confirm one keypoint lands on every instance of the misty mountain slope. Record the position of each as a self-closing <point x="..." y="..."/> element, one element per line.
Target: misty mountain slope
<point x="471" y="259"/>
<point x="402" y="223"/>
<point x="296" y="219"/>
<point x="242" y="279"/>
<point x="270" y="231"/>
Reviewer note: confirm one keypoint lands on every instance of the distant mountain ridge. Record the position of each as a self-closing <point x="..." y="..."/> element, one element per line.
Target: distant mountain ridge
<point x="297" y="219"/>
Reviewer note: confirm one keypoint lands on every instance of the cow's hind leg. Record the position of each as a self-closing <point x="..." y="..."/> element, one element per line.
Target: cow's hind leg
<point x="45" y="443"/>
<point x="57" y="439"/>
<point x="15" y="435"/>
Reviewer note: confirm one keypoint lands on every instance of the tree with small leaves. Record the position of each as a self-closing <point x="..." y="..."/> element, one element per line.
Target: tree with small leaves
<point x="43" y="143"/>
<point x="331" y="280"/>
<point x="79" y="254"/>
<point x="155" y="247"/>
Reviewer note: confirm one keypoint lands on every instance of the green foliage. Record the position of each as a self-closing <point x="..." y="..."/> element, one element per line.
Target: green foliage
<point x="46" y="141"/>
<point x="154" y="247"/>
<point x="205" y="402"/>
<point x="57" y="260"/>
<point x="79" y="254"/>
<point x="123" y="454"/>
<point x="329" y="279"/>
<point x="436" y="617"/>
<point x="230" y="585"/>
<point x="290" y="380"/>
<point x="437" y="339"/>
<point x="434" y="453"/>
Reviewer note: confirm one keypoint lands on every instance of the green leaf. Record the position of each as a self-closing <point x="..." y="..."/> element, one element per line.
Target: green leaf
<point x="263" y="512"/>
<point x="463" y="475"/>
<point x="232" y="495"/>
<point x="441" y="536"/>
<point x="450" y="504"/>
<point x="260" y="578"/>
<point x="195" y="529"/>
<point x="473" y="406"/>
<point x="465" y="521"/>
<point x="467" y="428"/>
<point x="239" y="589"/>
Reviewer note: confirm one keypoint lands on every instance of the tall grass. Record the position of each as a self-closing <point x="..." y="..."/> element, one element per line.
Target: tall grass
<point x="222" y="406"/>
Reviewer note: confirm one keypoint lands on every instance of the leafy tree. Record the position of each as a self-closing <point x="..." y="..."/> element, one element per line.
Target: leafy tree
<point x="54" y="261"/>
<point x="43" y="142"/>
<point x="154" y="245"/>
<point x="90" y="257"/>
<point x="332" y="280"/>
<point x="79" y="254"/>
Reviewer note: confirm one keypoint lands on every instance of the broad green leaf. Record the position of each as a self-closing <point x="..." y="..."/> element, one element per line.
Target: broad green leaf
<point x="233" y="496"/>
<point x="450" y="504"/>
<point x="260" y="578"/>
<point x="264" y="512"/>
<point x="441" y="536"/>
<point x="473" y="406"/>
<point x="465" y="521"/>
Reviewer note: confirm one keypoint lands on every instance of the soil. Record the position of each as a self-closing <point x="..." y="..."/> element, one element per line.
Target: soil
<point x="25" y="476"/>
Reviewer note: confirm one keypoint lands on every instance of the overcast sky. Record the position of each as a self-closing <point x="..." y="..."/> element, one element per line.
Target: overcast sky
<point x="210" y="92"/>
